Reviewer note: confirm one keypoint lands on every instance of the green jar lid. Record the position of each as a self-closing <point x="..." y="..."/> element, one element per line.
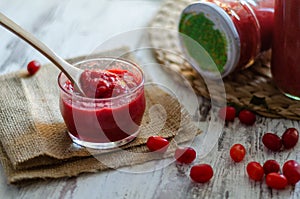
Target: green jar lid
<point x="209" y="39"/>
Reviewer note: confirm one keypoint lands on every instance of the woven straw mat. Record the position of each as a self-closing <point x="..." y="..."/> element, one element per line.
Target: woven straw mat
<point x="251" y="88"/>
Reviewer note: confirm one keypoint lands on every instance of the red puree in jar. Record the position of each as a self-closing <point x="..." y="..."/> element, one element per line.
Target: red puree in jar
<point x="286" y="47"/>
<point x="94" y="118"/>
<point x="254" y="24"/>
<point x="249" y="32"/>
<point x="264" y="11"/>
<point x="105" y="83"/>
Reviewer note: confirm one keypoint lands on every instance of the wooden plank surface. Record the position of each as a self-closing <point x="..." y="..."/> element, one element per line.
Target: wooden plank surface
<point x="74" y="27"/>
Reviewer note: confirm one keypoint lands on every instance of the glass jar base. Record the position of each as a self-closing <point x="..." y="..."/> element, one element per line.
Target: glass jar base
<point x="103" y="145"/>
<point x="291" y="96"/>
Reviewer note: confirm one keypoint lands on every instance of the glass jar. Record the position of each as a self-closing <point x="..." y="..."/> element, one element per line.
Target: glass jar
<point x="286" y="47"/>
<point x="232" y="33"/>
<point x="104" y="123"/>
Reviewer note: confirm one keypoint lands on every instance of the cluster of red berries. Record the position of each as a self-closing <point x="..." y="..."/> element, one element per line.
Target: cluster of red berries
<point x="198" y="173"/>
<point x="33" y="67"/>
<point x="288" y="140"/>
<point x="228" y="114"/>
<point x="271" y="168"/>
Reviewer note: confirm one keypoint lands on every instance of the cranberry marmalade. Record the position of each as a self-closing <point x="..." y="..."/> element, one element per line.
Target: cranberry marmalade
<point x="286" y="47"/>
<point x="111" y="113"/>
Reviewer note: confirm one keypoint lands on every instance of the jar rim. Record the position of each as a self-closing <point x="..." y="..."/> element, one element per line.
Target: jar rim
<point x="127" y="94"/>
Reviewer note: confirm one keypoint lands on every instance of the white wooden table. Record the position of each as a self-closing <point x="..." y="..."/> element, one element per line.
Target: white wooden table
<point x="74" y="27"/>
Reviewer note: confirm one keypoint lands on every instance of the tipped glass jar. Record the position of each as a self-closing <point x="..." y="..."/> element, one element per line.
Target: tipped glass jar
<point x="229" y="33"/>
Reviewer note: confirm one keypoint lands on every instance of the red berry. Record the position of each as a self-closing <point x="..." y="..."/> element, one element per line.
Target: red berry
<point x="33" y="67"/>
<point x="157" y="144"/>
<point x="271" y="166"/>
<point x="255" y="171"/>
<point x="290" y="138"/>
<point x="291" y="170"/>
<point x="247" y="117"/>
<point x="227" y="113"/>
<point x="185" y="155"/>
<point x="276" y="181"/>
<point x="272" y="141"/>
<point x="237" y="152"/>
<point x="201" y="173"/>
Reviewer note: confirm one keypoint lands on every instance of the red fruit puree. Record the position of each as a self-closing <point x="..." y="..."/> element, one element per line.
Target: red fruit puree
<point x="105" y="83"/>
<point x="112" y="109"/>
<point x="285" y="50"/>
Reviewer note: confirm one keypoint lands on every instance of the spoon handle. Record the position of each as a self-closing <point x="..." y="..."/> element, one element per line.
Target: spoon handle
<point x="70" y="71"/>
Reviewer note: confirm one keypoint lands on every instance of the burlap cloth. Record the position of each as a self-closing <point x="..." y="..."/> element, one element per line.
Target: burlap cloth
<point x="35" y="145"/>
